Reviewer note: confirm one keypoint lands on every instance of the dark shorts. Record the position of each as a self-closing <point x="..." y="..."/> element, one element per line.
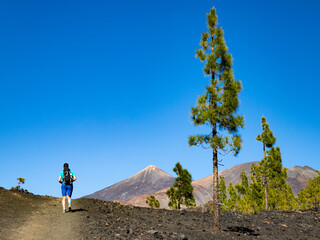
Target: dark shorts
<point x="66" y="190"/>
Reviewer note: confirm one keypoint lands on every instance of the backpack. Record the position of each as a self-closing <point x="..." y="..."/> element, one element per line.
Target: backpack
<point x="67" y="178"/>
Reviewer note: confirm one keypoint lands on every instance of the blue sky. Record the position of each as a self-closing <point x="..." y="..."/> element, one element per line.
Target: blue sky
<point x="107" y="86"/>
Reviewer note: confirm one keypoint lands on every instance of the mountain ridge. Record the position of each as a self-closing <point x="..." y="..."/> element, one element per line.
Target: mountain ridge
<point x="152" y="180"/>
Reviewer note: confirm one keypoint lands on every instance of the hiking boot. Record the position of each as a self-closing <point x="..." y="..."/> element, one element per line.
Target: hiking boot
<point x="63" y="211"/>
<point x="69" y="209"/>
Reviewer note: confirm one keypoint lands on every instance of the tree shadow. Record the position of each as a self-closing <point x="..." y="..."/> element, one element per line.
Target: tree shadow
<point x="242" y="230"/>
<point x="79" y="210"/>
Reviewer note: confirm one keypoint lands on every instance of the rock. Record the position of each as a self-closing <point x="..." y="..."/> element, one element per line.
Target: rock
<point x="152" y="231"/>
<point x="182" y="237"/>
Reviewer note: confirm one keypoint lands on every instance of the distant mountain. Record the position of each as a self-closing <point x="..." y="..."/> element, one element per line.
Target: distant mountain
<point x="231" y="174"/>
<point x="147" y="181"/>
<point x="297" y="178"/>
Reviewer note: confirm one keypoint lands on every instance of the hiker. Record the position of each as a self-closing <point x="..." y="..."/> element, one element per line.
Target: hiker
<point x="66" y="178"/>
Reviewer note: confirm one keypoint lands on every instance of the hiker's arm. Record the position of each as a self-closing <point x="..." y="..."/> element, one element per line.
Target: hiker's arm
<point x="74" y="178"/>
<point x="60" y="179"/>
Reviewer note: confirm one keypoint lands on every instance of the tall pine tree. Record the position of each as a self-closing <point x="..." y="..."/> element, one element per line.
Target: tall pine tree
<point x="217" y="107"/>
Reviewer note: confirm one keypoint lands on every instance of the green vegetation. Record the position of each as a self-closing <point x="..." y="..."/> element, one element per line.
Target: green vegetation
<point x="268" y="188"/>
<point x="21" y="180"/>
<point x="247" y="200"/>
<point x="310" y="196"/>
<point x="217" y="107"/>
<point x="222" y="191"/>
<point x="263" y="172"/>
<point x="153" y="202"/>
<point x="270" y="175"/>
<point x="18" y="187"/>
<point x="233" y="199"/>
<point x="181" y="191"/>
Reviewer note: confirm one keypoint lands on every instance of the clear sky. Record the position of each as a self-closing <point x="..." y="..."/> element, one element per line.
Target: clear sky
<point x="107" y="86"/>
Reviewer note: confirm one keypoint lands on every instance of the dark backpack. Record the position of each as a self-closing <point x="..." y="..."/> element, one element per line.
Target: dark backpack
<point x="67" y="179"/>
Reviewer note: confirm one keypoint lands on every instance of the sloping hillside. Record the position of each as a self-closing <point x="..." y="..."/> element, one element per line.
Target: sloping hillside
<point x="26" y="216"/>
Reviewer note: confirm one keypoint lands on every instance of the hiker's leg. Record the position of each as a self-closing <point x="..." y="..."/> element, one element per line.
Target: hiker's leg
<point x="64" y="202"/>
<point x="69" y="194"/>
<point x="69" y="200"/>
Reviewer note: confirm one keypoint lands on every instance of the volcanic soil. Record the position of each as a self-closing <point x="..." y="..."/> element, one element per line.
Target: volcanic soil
<point x="28" y="216"/>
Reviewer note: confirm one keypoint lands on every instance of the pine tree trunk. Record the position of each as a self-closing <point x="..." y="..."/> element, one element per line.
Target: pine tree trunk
<point x="215" y="201"/>
<point x="216" y="210"/>
<point x="265" y="183"/>
<point x="265" y="197"/>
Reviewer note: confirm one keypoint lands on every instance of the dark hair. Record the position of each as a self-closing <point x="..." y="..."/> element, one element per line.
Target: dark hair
<point x="66" y="165"/>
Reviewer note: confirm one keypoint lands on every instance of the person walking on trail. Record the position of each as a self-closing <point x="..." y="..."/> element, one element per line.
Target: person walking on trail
<point x="66" y="178"/>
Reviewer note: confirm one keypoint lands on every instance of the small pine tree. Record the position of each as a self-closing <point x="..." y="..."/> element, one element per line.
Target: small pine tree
<point x="232" y="202"/>
<point x="246" y="202"/>
<point x="244" y="186"/>
<point x="302" y="200"/>
<point x="280" y="193"/>
<point x="20" y="181"/>
<point x="181" y="193"/>
<point x="153" y="202"/>
<point x="256" y="191"/>
<point x="222" y="189"/>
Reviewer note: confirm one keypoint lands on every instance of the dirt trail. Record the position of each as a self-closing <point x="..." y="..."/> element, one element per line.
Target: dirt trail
<point x="28" y="216"/>
<point x="48" y="222"/>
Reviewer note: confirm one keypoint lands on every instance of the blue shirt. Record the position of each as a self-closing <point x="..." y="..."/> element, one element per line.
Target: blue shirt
<point x="71" y="173"/>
